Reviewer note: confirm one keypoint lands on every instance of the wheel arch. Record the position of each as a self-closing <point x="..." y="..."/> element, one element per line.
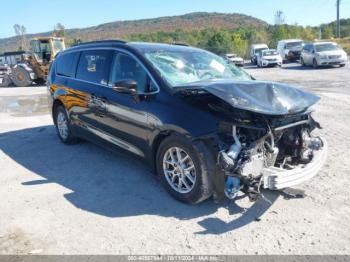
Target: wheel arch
<point x="56" y="103"/>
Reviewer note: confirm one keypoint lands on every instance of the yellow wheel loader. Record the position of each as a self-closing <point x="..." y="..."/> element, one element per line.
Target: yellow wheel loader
<point x="33" y="66"/>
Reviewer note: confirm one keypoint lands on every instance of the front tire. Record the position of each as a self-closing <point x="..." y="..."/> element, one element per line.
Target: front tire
<point x="315" y="64"/>
<point x="184" y="169"/>
<point x="21" y="77"/>
<point x="63" y="126"/>
<point x="302" y="62"/>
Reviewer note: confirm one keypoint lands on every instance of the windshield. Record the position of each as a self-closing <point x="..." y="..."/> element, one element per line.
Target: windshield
<point x="326" y="47"/>
<point x="57" y="46"/>
<point x="187" y="66"/>
<point x="270" y="52"/>
<point x="259" y="50"/>
<point x="294" y="44"/>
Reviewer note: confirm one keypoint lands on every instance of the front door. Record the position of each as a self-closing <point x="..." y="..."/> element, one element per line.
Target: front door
<point x="125" y="117"/>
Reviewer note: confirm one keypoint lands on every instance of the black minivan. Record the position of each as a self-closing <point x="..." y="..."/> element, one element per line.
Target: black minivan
<point x="205" y="126"/>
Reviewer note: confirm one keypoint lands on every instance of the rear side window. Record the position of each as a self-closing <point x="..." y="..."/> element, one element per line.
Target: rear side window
<point x="94" y="65"/>
<point x="66" y="64"/>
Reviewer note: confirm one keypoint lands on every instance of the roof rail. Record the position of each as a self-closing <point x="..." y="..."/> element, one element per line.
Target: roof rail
<point x="179" y="43"/>
<point x="101" y="42"/>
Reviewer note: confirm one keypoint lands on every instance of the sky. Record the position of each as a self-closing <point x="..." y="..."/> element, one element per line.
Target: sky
<point x="41" y="15"/>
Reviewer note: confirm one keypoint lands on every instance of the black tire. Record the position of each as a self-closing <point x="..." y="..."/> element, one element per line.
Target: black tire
<point x="6" y="81"/>
<point x="21" y="77"/>
<point x="204" y="165"/>
<point x="40" y="81"/>
<point x="302" y="62"/>
<point x="342" y="65"/>
<point x="69" y="138"/>
<point x="314" y="64"/>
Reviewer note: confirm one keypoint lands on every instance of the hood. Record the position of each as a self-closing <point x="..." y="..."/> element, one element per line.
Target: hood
<point x="236" y="59"/>
<point x="272" y="57"/>
<point x="259" y="97"/>
<point x="332" y="52"/>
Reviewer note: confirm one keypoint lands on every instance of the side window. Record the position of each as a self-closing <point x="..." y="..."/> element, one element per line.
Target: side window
<point x="66" y="64"/>
<point x="126" y="67"/>
<point x="94" y="65"/>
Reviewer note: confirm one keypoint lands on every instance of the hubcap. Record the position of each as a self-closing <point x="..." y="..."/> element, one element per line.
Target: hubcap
<point x="20" y="76"/>
<point x="62" y="125"/>
<point x="179" y="170"/>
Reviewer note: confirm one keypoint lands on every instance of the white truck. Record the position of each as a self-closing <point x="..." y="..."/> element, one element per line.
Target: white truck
<point x="255" y="50"/>
<point x="290" y="49"/>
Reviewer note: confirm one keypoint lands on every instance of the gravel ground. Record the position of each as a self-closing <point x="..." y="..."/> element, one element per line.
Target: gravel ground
<point x="82" y="199"/>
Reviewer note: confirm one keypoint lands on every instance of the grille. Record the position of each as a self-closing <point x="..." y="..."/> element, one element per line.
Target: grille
<point x="334" y="56"/>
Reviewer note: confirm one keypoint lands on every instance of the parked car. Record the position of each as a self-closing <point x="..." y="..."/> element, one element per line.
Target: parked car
<point x="323" y="54"/>
<point x="269" y="58"/>
<point x="290" y="49"/>
<point x="234" y="58"/>
<point x="204" y="125"/>
<point x="255" y="50"/>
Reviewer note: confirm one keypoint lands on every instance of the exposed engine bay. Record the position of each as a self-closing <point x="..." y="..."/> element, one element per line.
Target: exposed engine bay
<point x="250" y="163"/>
<point x="267" y="140"/>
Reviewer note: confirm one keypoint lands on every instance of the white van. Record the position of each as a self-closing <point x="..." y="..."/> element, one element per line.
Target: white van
<point x="255" y="50"/>
<point x="290" y="49"/>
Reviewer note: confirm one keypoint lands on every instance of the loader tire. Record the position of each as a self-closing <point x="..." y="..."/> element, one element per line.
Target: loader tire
<point x="6" y="81"/>
<point x="21" y="77"/>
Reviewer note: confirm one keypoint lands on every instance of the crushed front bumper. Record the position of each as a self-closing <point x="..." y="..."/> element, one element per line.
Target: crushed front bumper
<point x="278" y="178"/>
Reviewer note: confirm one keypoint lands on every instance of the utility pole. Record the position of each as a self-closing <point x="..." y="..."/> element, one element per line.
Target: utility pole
<point x="338" y="18"/>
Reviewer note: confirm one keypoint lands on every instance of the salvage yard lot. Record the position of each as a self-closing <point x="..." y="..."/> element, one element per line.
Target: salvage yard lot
<point x="82" y="199"/>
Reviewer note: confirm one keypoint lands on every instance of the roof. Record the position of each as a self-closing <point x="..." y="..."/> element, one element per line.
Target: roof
<point x="259" y="45"/>
<point x="13" y="53"/>
<point x="141" y="46"/>
<point x="291" y="40"/>
<point x="320" y="43"/>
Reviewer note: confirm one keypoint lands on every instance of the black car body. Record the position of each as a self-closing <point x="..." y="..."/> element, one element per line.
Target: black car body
<point x="206" y="127"/>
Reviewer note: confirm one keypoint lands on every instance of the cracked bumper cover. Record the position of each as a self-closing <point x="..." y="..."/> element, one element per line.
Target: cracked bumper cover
<point x="278" y="178"/>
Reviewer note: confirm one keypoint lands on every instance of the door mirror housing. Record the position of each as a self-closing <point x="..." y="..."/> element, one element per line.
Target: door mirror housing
<point x="127" y="86"/>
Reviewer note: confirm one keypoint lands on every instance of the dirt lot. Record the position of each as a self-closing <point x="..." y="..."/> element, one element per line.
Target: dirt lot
<point x="82" y="199"/>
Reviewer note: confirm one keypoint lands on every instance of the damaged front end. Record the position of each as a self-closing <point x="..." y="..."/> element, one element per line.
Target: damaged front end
<point x="283" y="157"/>
<point x="267" y="139"/>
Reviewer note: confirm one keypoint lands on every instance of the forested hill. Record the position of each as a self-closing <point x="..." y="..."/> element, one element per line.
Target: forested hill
<point x="123" y="29"/>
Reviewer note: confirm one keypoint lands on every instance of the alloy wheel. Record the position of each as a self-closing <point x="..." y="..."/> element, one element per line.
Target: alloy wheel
<point x="179" y="170"/>
<point x="62" y="125"/>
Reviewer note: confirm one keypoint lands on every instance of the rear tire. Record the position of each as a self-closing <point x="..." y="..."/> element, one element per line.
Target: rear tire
<point x="63" y="125"/>
<point x="195" y="183"/>
<point x="21" y="77"/>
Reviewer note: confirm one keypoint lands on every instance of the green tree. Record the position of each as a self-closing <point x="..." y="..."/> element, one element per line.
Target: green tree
<point x="21" y="31"/>
<point x="220" y="43"/>
<point x="59" y="30"/>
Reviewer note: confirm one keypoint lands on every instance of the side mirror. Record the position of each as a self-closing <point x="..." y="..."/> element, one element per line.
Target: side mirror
<point x="127" y="86"/>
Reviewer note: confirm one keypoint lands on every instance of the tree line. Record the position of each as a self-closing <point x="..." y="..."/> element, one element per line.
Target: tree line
<point x="220" y="41"/>
<point x="238" y="41"/>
